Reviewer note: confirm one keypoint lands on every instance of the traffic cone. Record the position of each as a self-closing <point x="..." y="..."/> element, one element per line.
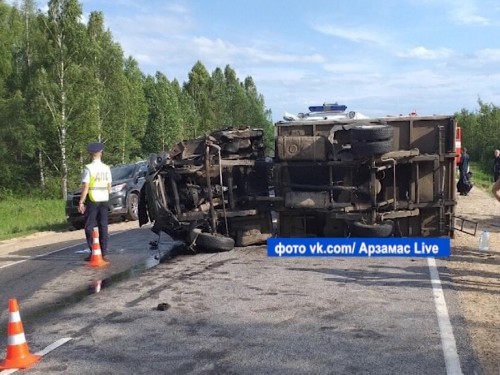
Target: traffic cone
<point x="96" y="259"/>
<point x="18" y="353"/>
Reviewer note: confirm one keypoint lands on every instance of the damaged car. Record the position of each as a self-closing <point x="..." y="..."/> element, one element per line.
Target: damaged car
<point x="211" y="192"/>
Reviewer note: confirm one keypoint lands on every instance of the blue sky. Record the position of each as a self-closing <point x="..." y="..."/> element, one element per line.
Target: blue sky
<point x="376" y="57"/>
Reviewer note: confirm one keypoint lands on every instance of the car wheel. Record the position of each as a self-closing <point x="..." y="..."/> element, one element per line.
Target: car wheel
<point x="213" y="242"/>
<point x="359" y="229"/>
<point x="371" y="133"/>
<point x="133" y="207"/>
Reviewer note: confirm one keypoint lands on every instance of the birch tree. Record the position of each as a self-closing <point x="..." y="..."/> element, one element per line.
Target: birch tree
<point x="61" y="81"/>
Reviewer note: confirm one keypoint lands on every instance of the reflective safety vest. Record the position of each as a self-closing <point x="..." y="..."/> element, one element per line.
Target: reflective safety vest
<point x="100" y="177"/>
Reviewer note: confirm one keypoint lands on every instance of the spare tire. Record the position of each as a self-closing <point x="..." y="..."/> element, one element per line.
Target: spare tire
<point x="370" y="132"/>
<point x="371" y="148"/>
<point x="214" y="242"/>
<point x="359" y="229"/>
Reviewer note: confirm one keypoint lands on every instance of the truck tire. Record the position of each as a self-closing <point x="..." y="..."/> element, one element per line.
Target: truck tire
<point x="371" y="132"/>
<point x="213" y="242"/>
<point x="133" y="207"/>
<point x="371" y="148"/>
<point x="359" y="229"/>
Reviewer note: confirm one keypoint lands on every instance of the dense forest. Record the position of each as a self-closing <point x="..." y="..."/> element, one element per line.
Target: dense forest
<point x="64" y="83"/>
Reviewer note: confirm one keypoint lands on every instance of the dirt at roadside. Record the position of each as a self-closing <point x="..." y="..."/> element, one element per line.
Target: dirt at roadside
<point x="476" y="276"/>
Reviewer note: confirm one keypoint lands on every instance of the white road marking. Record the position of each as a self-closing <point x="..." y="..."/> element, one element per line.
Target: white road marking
<point x="448" y="343"/>
<point x="14" y="263"/>
<point x="54" y="345"/>
<point x="50" y="252"/>
<point x="84" y="251"/>
<point x="48" y="349"/>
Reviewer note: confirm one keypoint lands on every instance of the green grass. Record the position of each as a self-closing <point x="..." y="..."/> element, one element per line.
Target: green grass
<point x="22" y="216"/>
<point x="481" y="176"/>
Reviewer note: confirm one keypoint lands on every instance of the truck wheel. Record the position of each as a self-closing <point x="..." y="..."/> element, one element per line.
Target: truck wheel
<point x="359" y="229"/>
<point x="213" y="242"/>
<point x="371" y="133"/>
<point x="371" y="148"/>
<point x="133" y="207"/>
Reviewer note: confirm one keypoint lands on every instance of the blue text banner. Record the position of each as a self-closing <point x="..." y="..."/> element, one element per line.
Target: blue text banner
<point x="359" y="247"/>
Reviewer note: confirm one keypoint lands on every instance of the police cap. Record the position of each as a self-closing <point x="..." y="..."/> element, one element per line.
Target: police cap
<point x="95" y="147"/>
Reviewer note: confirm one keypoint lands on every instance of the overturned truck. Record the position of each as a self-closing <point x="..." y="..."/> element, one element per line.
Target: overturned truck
<point x="382" y="177"/>
<point x="211" y="192"/>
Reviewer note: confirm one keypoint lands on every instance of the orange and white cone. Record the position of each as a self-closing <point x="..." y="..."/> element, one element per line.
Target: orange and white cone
<point x="18" y="353"/>
<point x="96" y="259"/>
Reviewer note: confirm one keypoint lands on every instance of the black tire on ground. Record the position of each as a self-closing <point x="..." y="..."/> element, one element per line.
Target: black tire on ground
<point x="371" y="148"/>
<point x="214" y="242"/>
<point x="133" y="207"/>
<point x="371" y="133"/>
<point x="359" y="229"/>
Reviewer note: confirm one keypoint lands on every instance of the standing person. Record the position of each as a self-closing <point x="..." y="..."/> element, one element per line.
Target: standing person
<point x="96" y="186"/>
<point x="496" y="166"/>
<point x="464" y="163"/>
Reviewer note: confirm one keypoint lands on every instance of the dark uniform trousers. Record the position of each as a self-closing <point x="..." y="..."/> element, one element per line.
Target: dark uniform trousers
<point x="96" y="213"/>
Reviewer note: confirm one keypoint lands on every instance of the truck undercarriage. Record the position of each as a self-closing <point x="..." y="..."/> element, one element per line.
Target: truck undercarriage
<point x="360" y="178"/>
<point x="211" y="192"/>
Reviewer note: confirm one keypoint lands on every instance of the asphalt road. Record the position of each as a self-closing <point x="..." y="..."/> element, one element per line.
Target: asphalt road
<point x="235" y="313"/>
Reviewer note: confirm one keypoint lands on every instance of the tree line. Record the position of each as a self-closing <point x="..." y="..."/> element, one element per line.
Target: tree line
<point x="65" y="83"/>
<point x="481" y="133"/>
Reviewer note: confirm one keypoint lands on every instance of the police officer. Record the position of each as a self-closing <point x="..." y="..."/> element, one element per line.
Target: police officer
<point x="96" y="186"/>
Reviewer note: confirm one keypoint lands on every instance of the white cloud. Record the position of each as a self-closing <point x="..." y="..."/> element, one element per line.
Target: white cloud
<point x="177" y="8"/>
<point x="84" y="18"/>
<point x="117" y="4"/>
<point x="155" y="53"/>
<point x="427" y="54"/>
<point x="276" y="57"/>
<point x="465" y="12"/>
<point x="354" y="34"/>
<point x="275" y="77"/>
<point x="489" y="54"/>
<point x="149" y="24"/>
<point x="220" y="50"/>
<point x="351" y="67"/>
